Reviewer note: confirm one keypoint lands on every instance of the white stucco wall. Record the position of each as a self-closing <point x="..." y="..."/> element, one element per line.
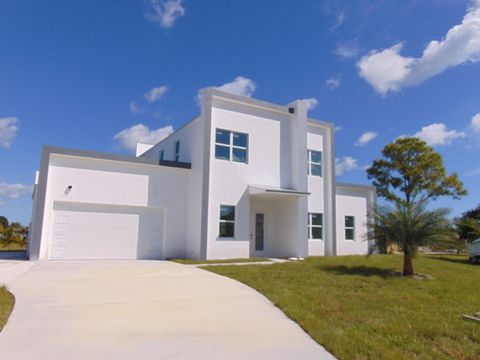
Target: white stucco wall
<point x="352" y="203"/>
<point x="316" y="189"/>
<point x="269" y="163"/>
<point x="113" y="183"/>
<point x="191" y="138"/>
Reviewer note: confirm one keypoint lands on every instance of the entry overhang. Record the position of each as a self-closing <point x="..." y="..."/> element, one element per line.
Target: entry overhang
<point x="272" y="191"/>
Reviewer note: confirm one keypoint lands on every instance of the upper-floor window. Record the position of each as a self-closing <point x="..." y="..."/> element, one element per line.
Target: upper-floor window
<point x="227" y="221"/>
<point x="315" y="226"/>
<point x="162" y="155"/>
<point x="349" y="228"/>
<point x="230" y="145"/>
<point x="314" y="159"/>
<point x="177" y="150"/>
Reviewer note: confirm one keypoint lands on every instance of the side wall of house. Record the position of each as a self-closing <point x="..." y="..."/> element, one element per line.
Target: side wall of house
<point x="191" y="138"/>
<point x="356" y="202"/>
<point x="113" y="184"/>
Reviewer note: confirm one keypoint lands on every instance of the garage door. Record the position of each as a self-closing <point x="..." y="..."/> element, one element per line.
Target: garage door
<point x="96" y="231"/>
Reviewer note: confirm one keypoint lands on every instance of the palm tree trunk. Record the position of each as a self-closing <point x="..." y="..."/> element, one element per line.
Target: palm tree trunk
<point x="407" y="264"/>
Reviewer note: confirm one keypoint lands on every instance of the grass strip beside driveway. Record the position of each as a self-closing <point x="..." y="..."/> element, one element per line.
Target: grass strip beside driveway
<point x="225" y="261"/>
<point x="6" y="305"/>
<point x="360" y="308"/>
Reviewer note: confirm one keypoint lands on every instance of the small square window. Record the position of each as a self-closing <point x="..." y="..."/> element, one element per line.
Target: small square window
<point x="227" y="221"/>
<point x="222" y="137"/>
<point x="239" y="155"/>
<point x="231" y="145"/>
<point x="315" y="226"/>
<point x="222" y="152"/>
<point x="227" y="229"/>
<point x="349" y="228"/>
<point x="314" y="162"/>
<point x="240" y="140"/>
<point x="227" y="212"/>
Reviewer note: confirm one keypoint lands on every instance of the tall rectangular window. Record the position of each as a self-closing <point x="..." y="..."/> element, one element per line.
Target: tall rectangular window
<point x="315" y="226"/>
<point x="227" y="221"/>
<point x="349" y="228"/>
<point x="177" y="150"/>
<point x="162" y="155"/>
<point x="230" y="145"/>
<point x="314" y="159"/>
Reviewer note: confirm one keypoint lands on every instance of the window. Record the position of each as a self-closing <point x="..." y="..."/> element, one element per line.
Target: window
<point x="315" y="226"/>
<point x="162" y="155"/>
<point x="314" y="159"/>
<point x="177" y="150"/>
<point x="230" y="145"/>
<point x="227" y="221"/>
<point x="349" y="228"/>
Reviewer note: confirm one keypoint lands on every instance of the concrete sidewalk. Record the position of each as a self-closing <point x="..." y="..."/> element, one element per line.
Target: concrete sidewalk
<point x="144" y="310"/>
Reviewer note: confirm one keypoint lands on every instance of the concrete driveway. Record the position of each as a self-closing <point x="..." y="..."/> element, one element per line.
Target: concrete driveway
<point x="142" y="310"/>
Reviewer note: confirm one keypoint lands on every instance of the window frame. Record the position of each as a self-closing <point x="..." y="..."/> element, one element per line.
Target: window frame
<point x="349" y="227"/>
<point x="311" y="226"/>
<point x="177" y="151"/>
<point x="220" y="221"/>
<point x="310" y="162"/>
<point x="231" y="146"/>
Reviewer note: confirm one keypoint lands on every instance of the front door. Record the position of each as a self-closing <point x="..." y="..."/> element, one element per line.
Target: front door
<point x="259" y="231"/>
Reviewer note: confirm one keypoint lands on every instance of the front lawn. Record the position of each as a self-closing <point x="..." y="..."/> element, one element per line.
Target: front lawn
<point x="225" y="261"/>
<point x="358" y="308"/>
<point x="6" y="305"/>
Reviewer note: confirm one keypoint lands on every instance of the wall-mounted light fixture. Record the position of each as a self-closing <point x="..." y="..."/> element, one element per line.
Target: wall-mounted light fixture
<point x="68" y="190"/>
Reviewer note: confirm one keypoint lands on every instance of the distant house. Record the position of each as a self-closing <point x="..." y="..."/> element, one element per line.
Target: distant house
<point x="245" y="178"/>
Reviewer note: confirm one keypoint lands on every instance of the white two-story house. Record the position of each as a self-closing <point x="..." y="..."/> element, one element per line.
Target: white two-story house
<point x="245" y="178"/>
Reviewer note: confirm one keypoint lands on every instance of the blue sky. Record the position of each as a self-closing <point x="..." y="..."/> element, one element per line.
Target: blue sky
<point x="101" y="75"/>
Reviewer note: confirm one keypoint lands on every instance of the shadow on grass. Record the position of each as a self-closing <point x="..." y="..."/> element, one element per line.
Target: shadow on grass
<point x="460" y="260"/>
<point x="360" y="270"/>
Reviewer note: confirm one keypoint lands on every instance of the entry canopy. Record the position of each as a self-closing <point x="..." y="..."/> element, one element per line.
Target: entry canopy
<point x="272" y="191"/>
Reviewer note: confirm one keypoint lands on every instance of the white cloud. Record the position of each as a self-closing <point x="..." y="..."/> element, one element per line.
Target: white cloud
<point x="339" y="21"/>
<point x="346" y="51"/>
<point x="129" y="137"/>
<point x="344" y="164"/>
<point x="13" y="191"/>
<point x="334" y="82"/>
<point x="135" y="108"/>
<point x="438" y="134"/>
<point x="387" y="70"/>
<point x="164" y="12"/>
<point x="475" y="123"/>
<point x="311" y="103"/>
<point x="240" y="86"/>
<point x="156" y="93"/>
<point x="365" y="138"/>
<point x="8" y="130"/>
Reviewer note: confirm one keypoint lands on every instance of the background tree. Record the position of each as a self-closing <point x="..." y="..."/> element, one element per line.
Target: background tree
<point x="409" y="174"/>
<point x="3" y="222"/>
<point x="13" y="233"/>
<point x="468" y="225"/>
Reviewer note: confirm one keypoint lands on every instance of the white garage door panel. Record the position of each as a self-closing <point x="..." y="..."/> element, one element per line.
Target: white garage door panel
<point x="90" y="231"/>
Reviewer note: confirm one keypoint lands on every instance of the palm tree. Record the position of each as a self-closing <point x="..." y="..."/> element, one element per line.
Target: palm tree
<point x="410" y="226"/>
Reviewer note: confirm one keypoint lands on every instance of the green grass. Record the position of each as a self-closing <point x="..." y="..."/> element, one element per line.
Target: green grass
<point x="357" y="308"/>
<point x="6" y="305"/>
<point x="226" y="261"/>
<point x="12" y="247"/>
